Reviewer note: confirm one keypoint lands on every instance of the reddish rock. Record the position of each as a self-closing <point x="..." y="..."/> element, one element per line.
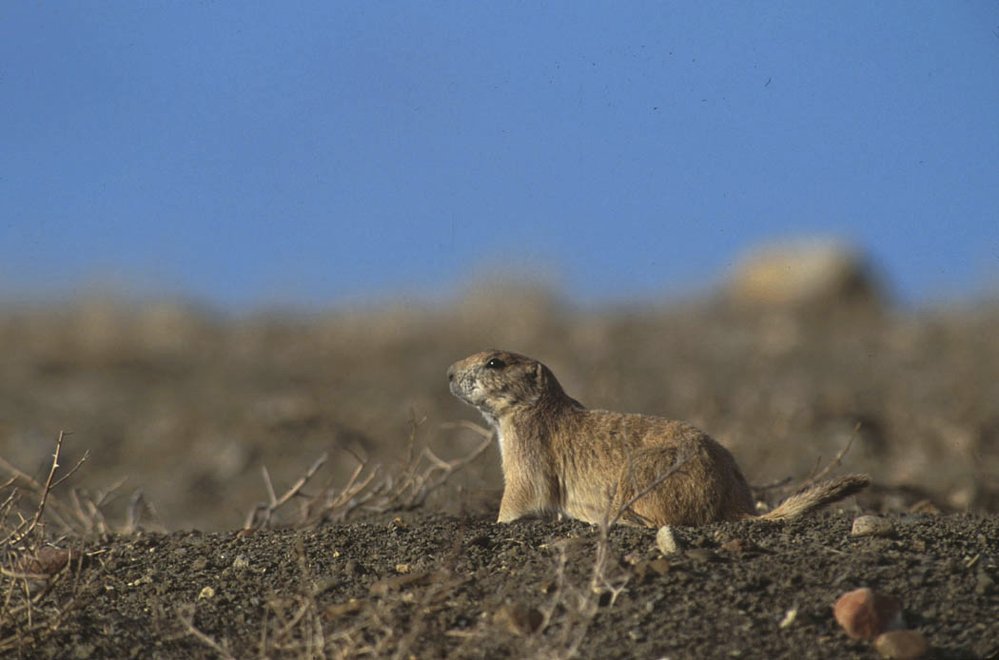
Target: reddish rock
<point x="865" y="614"/>
<point x="47" y="560"/>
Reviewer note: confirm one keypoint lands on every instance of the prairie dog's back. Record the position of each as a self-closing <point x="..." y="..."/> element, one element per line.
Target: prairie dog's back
<point x="610" y="457"/>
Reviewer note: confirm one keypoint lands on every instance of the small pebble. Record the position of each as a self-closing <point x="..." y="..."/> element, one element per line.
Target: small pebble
<point x="871" y="526"/>
<point x="701" y="554"/>
<point x="659" y="566"/>
<point x="518" y="619"/>
<point x="735" y="546"/>
<point x="984" y="585"/>
<point x="789" y="617"/>
<point x="666" y="541"/>
<point x="864" y="614"/>
<point x="901" y="645"/>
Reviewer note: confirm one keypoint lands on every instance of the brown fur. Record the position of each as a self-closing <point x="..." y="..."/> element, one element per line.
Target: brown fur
<point x="591" y="464"/>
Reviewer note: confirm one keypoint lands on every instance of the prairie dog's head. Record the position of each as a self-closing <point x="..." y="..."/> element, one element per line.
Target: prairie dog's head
<point x="497" y="382"/>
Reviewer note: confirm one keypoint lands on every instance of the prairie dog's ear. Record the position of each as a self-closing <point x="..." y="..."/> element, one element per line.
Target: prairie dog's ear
<point x="538" y="373"/>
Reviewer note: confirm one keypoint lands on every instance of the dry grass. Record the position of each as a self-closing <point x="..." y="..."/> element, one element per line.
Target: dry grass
<point x="296" y="625"/>
<point x="370" y="487"/>
<point x="32" y="562"/>
<point x="572" y="608"/>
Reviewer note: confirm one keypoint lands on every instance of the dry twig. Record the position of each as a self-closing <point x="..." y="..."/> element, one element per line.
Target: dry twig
<point x="836" y="462"/>
<point x="186" y="617"/>
<point x="25" y="528"/>
<point x="260" y="516"/>
<point x="371" y="489"/>
<point x="29" y="571"/>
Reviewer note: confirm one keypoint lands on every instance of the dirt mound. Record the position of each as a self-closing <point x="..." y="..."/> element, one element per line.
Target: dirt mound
<point x="425" y="585"/>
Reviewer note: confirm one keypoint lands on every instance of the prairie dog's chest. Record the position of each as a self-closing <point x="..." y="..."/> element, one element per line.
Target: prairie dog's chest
<point x="515" y="447"/>
<point x="499" y="439"/>
<point x="501" y="433"/>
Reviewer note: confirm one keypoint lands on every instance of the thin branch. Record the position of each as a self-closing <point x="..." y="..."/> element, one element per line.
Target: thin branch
<point x="45" y="493"/>
<point x="470" y="426"/>
<point x="76" y="467"/>
<point x="19" y="474"/>
<point x="774" y="485"/>
<point x="271" y="495"/>
<point x="298" y="485"/>
<point x="188" y="623"/>
<point x="655" y="483"/>
<point x="261" y="514"/>
<point x="837" y="461"/>
<point x="134" y="512"/>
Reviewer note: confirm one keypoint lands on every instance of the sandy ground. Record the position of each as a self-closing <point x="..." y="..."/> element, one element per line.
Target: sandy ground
<point x="181" y="409"/>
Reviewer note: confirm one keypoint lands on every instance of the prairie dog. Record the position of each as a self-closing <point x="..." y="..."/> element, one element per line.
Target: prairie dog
<point x="559" y="456"/>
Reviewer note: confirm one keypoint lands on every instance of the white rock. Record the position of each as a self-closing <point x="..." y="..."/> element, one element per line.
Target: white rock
<point x="666" y="541"/>
<point x="871" y="526"/>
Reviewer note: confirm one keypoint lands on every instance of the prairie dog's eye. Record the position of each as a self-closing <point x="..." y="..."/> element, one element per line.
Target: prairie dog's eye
<point x="495" y="363"/>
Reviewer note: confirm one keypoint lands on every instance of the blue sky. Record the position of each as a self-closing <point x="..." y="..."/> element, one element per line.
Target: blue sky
<point x="318" y="152"/>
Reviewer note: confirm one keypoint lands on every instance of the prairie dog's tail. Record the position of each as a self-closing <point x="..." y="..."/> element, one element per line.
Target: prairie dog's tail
<point x="816" y="496"/>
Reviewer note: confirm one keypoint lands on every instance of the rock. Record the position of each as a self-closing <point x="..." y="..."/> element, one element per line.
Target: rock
<point x="802" y="272"/>
<point x="394" y="583"/>
<point x="666" y="541"/>
<point x="864" y="614"/>
<point x="659" y="566"/>
<point x="83" y="651"/>
<point x="48" y="560"/>
<point x="518" y="619"/>
<point x="789" y="618"/>
<point x="336" y="610"/>
<point x="701" y="554"/>
<point x="871" y="526"/>
<point x="925" y="507"/>
<point x="901" y="645"/>
<point x="984" y="584"/>
<point x="735" y="546"/>
<point x="646" y="569"/>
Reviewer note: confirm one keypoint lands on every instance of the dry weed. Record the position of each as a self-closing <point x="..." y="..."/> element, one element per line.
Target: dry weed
<point x="784" y="487"/>
<point x="572" y="607"/>
<point x="31" y="564"/>
<point x="298" y="626"/>
<point x="369" y="488"/>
